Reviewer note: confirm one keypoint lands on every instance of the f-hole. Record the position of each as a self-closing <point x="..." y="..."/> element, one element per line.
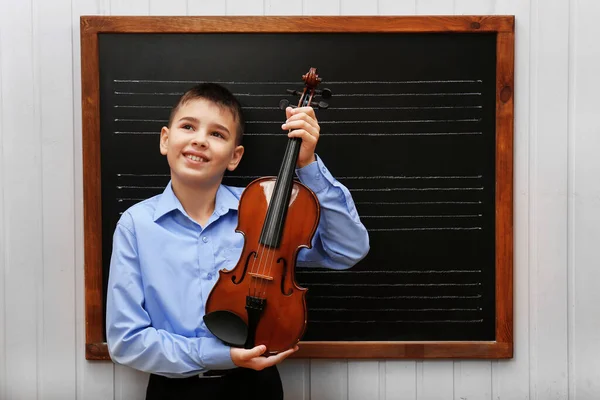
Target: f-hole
<point x="245" y="269"/>
<point x="289" y="293"/>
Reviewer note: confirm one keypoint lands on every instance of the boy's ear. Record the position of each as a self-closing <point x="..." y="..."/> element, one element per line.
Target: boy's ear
<point x="164" y="140"/>
<point x="236" y="158"/>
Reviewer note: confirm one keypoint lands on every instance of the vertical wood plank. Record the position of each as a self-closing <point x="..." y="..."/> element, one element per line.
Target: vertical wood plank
<point x="245" y="7"/>
<point x="397" y="7"/>
<point x="357" y="7"/>
<point x="571" y="183"/>
<point x="549" y="187"/>
<point x="435" y="380"/>
<point x="22" y="189"/>
<point x="213" y="7"/>
<point x="94" y="379"/>
<point x="329" y="380"/>
<point x="3" y="230"/>
<point x="53" y="49"/>
<point x="321" y="7"/>
<point x="283" y="7"/>
<point x="295" y="376"/>
<point x="171" y="7"/>
<point x="585" y="195"/>
<point x="510" y="378"/>
<point x="363" y="380"/>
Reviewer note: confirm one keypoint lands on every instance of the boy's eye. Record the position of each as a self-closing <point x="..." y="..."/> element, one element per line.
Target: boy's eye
<point x="218" y="134"/>
<point x="187" y="127"/>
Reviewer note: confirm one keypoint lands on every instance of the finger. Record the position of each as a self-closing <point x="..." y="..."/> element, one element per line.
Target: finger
<point x="254" y="352"/>
<point x="306" y="110"/>
<point x="283" y="355"/>
<point x="301" y="125"/>
<point x="303" y="117"/>
<point x="265" y="362"/>
<point x="307" y="138"/>
<point x="289" y="111"/>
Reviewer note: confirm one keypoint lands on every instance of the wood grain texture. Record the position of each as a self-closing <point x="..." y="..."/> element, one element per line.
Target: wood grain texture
<point x="504" y="188"/>
<point x="284" y="24"/>
<point x="411" y="350"/>
<point x="90" y="106"/>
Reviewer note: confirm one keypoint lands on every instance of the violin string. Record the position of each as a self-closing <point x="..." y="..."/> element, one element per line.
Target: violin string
<point x="258" y="255"/>
<point x="270" y="253"/>
<point x="279" y="224"/>
<point x="262" y="255"/>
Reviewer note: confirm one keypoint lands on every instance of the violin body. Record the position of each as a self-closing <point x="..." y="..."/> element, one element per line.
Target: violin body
<point x="267" y="272"/>
<point x="259" y="302"/>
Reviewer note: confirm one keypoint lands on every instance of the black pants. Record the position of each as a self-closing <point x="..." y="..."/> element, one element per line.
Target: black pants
<point x="241" y="383"/>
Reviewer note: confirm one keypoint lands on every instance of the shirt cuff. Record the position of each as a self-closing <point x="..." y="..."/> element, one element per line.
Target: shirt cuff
<point x="315" y="175"/>
<point x="216" y="355"/>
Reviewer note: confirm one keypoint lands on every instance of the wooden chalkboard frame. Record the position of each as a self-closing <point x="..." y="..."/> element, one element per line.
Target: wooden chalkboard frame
<point x="503" y="26"/>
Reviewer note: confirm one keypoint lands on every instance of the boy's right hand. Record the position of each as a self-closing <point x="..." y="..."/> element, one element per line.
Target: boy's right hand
<point x="253" y="359"/>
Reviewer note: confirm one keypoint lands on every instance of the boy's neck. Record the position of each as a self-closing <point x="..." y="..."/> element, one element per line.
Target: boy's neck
<point x="198" y="202"/>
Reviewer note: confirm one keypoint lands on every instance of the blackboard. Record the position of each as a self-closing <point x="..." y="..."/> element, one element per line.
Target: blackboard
<point x="412" y="131"/>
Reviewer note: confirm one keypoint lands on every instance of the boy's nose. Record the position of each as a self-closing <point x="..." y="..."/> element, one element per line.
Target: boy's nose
<point x="200" y="139"/>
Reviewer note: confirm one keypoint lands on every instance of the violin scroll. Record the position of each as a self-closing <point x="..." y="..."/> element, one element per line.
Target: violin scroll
<point x="311" y="80"/>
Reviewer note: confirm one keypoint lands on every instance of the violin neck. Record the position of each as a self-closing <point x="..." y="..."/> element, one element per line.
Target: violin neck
<point x="280" y="199"/>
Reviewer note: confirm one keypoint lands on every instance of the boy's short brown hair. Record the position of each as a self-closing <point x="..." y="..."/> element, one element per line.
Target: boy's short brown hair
<point x="218" y="95"/>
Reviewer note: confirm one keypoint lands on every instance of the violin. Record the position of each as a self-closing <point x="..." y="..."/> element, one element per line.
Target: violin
<point x="259" y="301"/>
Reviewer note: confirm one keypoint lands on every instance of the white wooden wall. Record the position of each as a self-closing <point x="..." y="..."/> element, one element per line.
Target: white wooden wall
<point x="557" y="209"/>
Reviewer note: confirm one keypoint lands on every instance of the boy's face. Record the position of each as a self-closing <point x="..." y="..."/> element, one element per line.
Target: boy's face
<point x="200" y="144"/>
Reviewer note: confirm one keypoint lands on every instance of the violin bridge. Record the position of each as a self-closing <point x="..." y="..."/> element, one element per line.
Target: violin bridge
<point x="260" y="276"/>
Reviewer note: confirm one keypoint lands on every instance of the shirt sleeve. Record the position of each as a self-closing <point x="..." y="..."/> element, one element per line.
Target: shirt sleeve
<point x="341" y="240"/>
<point x="131" y="339"/>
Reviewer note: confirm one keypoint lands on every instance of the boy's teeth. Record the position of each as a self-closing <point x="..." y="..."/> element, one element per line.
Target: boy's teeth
<point x="195" y="158"/>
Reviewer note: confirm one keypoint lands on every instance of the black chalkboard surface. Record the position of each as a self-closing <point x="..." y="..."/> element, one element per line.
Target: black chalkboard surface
<point x="411" y="131"/>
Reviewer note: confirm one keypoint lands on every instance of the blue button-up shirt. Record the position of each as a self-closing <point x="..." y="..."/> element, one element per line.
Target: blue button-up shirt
<point x="164" y="265"/>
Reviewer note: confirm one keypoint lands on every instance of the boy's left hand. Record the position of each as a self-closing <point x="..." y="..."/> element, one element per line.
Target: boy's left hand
<point x="302" y="123"/>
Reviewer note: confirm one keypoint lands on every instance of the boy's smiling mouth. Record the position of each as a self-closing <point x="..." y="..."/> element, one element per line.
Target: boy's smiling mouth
<point x="195" y="158"/>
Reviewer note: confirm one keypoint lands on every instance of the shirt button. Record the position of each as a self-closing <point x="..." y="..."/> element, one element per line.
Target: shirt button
<point x="205" y="239"/>
<point x="209" y="276"/>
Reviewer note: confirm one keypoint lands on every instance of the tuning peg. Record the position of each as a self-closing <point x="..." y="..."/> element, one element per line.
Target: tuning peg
<point x="284" y="103"/>
<point x="320" y="104"/>
<point x="325" y="93"/>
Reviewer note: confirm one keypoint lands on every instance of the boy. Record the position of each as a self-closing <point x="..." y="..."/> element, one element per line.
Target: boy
<point x="167" y="252"/>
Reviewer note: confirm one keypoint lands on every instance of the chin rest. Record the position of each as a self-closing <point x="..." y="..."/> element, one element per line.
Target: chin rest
<point x="228" y="327"/>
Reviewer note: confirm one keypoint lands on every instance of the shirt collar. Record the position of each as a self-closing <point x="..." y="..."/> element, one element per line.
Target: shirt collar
<point x="168" y="202"/>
